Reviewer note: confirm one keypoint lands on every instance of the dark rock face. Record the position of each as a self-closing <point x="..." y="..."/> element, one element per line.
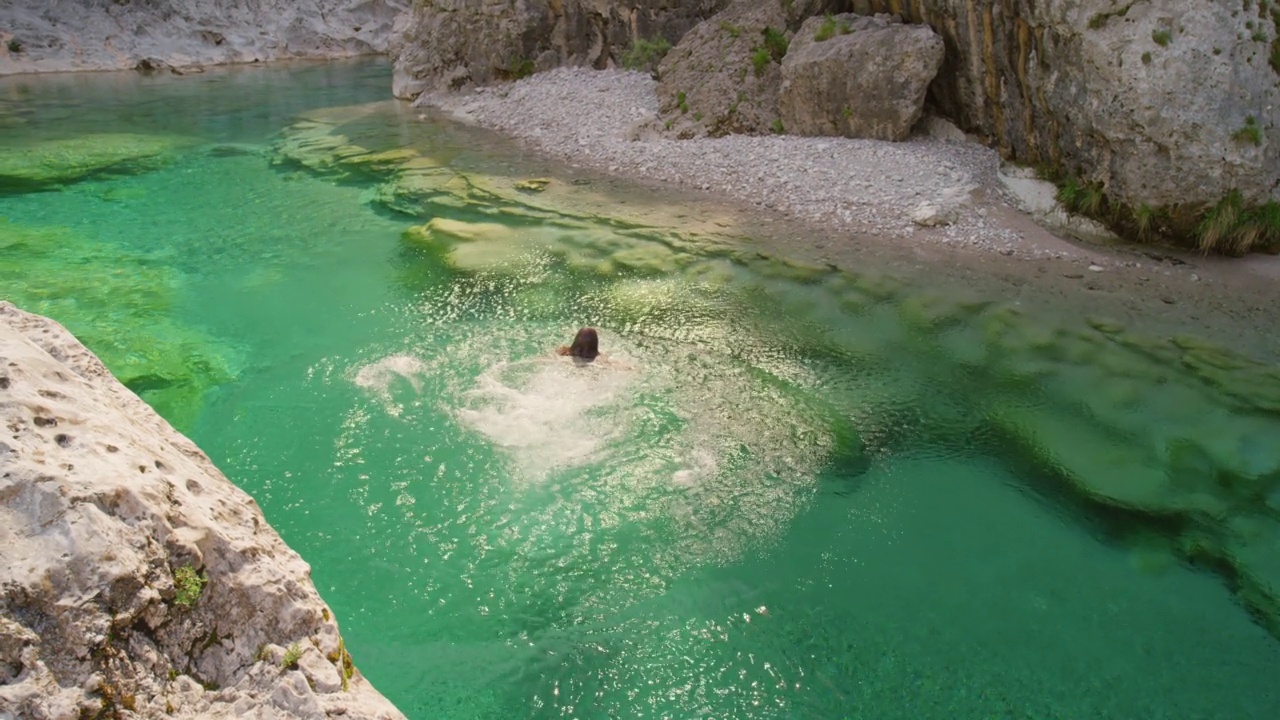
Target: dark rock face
<point x="444" y="44"/>
<point x="859" y="77"/>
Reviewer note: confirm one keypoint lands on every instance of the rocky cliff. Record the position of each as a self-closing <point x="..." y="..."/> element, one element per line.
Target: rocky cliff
<point x="443" y="44"/>
<point x="58" y="35"/>
<point x="1169" y="104"/>
<point x="1156" y="115"/>
<point x="137" y="580"/>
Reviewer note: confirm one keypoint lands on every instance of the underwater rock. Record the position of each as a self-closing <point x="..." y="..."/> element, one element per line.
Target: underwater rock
<point x="533" y="185"/>
<point x="1108" y="469"/>
<point x="1254" y="553"/>
<point x="50" y="163"/>
<point x="72" y="277"/>
<point x="136" y="575"/>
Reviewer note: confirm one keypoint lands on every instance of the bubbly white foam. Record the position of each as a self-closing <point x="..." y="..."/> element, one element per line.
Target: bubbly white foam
<point x="547" y="414"/>
<point x="378" y="378"/>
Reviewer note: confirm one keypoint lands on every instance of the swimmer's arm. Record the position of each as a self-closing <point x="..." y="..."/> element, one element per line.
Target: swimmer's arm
<point x="614" y="362"/>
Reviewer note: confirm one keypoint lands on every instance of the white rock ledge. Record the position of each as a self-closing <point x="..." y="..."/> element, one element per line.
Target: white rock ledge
<point x="100" y="501"/>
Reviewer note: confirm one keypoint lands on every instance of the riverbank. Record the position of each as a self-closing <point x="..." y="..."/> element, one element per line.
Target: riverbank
<point x="38" y="36"/>
<point x="836" y="200"/>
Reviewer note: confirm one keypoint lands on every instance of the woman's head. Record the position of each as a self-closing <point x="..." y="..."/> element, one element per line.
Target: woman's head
<point x="586" y="344"/>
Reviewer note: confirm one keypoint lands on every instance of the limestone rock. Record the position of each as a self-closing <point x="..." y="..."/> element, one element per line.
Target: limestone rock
<point x="1144" y="97"/>
<point x="929" y="214"/>
<point x="723" y="77"/>
<point x="101" y="503"/>
<point x="859" y="77"/>
<point x="60" y="35"/>
<point x="451" y="44"/>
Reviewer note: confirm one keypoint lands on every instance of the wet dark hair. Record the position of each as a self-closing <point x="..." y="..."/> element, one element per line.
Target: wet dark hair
<point x="586" y="344"/>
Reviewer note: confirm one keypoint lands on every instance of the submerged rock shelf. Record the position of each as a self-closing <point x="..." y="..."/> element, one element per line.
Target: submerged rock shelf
<point x="1070" y="400"/>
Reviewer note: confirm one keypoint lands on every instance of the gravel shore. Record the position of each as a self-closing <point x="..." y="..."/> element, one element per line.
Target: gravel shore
<point x="864" y="190"/>
<point x="607" y="120"/>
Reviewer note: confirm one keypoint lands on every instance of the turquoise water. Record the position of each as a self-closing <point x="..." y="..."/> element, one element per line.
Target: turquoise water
<point x="795" y="493"/>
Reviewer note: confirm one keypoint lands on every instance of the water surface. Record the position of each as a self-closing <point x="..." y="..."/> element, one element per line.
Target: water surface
<point x="798" y="492"/>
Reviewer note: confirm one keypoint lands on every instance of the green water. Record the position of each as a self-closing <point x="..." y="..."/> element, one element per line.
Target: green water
<point x="802" y="493"/>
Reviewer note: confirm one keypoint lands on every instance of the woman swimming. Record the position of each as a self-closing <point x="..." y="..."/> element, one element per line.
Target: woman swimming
<point x="585" y="347"/>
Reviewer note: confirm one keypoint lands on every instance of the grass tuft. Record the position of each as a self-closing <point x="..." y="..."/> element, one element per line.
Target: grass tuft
<point x="1232" y="228"/>
<point x="1161" y="37"/>
<point x="777" y="44"/>
<point x="519" y="68"/>
<point x="646" y="54"/>
<point x="1143" y="221"/>
<point x="760" y="58"/>
<point x="827" y="29"/>
<point x="1249" y="133"/>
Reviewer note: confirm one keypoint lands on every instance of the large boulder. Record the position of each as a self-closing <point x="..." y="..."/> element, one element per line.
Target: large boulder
<point x="138" y="580"/>
<point x="1152" y="100"/>
<point x="859" y="77"/>
<point x="724" y="76"/>
<point x="451" y="44"/>
<point x="59" y="35"/>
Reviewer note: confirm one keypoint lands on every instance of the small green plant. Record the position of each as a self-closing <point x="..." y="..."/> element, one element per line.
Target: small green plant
<point x="1259" y="36"/>
<point x="777" y="43"/>
<point x="777" y="127"/>
<point x="760" y="59"/>
<point x="667" y="125"/>
<point x="827" y="29"/>
<point x="1085" y="199"/>
<point x="1098" y="21"/>
<point x="1249" y="133"/>
<point x="1143" y="221"/>
<point x="646" y="54"/>
<point x="1146" y="58"/>
<point x="682" y="102"/>
<point x="847" y="112"/>
<point x="188" y="585"/>
<point x="697" y="116"/>
<point x="346" y="668"/>
<point x="519" y="68"/>
<point x="733" y="30"/>
<point x="1161" y="37"/>
<point x="291" y="657"/>
<point x="15" y="45"/>
<point x="1233" y="228"/>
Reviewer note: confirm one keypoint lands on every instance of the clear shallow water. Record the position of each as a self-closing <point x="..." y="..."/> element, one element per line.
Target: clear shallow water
<point x="801" y="495"/>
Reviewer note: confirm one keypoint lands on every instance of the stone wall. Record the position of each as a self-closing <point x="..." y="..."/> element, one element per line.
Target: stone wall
<point x="60" y="35"/>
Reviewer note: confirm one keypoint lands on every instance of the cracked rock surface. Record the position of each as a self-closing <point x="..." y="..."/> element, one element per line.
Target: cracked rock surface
<point x="102" y="505"/>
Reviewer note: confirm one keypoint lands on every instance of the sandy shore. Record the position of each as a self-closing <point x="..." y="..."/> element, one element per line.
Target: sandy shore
<point x="842" y="201"/>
